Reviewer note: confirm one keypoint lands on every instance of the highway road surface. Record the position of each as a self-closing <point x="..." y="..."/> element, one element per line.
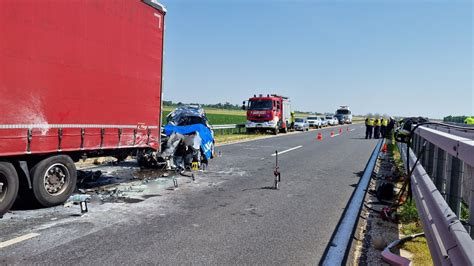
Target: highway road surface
<point x="229" y="215"/>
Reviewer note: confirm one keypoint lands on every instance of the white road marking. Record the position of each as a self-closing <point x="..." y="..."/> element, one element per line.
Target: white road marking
<point x="352" y="129"/>
<point x="335" y="135"/>
<point x="17" y="240"/>
<point x="281" y="152"/>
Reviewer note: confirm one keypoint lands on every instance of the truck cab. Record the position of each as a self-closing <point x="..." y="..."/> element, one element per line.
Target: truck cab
<point x="344" y="115"/>
<point x="271" y="112"/>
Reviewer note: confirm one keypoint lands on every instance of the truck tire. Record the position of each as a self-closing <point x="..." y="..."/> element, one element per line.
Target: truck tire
<point x="249" y="130"/>
<point x="53" y="180"/>
<point x="9" y="191"/>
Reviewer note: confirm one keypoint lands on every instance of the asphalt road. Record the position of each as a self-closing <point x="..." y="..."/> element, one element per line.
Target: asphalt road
<point x="228" y="216"/>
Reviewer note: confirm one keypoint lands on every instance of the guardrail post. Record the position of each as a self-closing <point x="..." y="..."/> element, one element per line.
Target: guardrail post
<point x="429" y="157"/>
<point x="455" y="185"/>
<point x="469" y="173"/>
<point x="419" y="144"/>
<point x="414" y="144"/>
<point x="439" y="171"/>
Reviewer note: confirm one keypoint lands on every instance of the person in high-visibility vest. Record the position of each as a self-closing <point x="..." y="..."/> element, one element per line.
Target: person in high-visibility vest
<point x="292" y="120"/>
<point x="469" y="121"/>
<point x="383" y="127"/>
<point x="369" y="125"/>
<point x="377" y="128"/>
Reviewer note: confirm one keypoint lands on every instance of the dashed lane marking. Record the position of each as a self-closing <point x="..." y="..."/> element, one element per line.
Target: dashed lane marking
<point x="17" y="240"/>
<point x="285" y="151"/>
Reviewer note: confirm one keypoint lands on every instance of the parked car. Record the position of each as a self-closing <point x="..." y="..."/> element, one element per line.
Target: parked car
<point x="324" y="122"/>
<point x="301" y="124"/>
<point x="314" y="121"/>
<point x="332" y="121"/>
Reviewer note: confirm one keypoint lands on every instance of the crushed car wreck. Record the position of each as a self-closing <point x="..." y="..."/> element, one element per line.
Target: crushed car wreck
<point x="187" y="141"/>
<point x="190" y="139"/>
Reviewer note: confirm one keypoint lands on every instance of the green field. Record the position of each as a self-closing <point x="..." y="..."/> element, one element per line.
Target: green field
<point x="216" y="116"/>
<point x="222" y="116"/>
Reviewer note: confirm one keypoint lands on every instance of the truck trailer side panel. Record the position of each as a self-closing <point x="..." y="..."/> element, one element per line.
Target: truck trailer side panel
<point x="79" y="75"/>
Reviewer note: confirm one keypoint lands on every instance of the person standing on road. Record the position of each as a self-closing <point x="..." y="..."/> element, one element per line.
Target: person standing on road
<point x="369" y="125"/>
<point x="383" y="127"/>
<point x="376" y="128"/>
<point x="292" y="117"/>
<point x="390" y="126"/>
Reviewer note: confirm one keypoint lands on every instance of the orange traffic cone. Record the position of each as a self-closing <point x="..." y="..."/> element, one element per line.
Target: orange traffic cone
<point x="332" y="133"/>
<point x="320" y="136"/>
<point x="347" y="129"/>
<point x="340" y="130"/>
<point x="384" y="148"/>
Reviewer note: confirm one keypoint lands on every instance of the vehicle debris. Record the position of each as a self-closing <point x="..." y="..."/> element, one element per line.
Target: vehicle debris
<point x="276" y="172"/>
<point x="88" y="176"/>
<point x="79" y="199"/>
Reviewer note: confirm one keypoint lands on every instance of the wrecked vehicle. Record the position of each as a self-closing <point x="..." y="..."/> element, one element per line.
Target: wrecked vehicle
<point x="187" y="141"/>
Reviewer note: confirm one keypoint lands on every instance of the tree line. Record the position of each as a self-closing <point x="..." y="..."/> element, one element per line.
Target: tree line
<point x="225" y="105"/>
<point x="456" y="119"/>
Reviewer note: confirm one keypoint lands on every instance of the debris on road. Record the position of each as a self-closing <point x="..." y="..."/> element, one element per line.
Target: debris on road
<point x="79" y="199"/>
<point x="119" y="184"/>
<point x="276" y="172"/>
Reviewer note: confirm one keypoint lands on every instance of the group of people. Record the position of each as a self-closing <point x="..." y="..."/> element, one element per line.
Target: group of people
<point x="378" y="127"/>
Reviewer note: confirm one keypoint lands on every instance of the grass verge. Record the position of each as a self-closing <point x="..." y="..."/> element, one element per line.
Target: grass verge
<point x="223" y="139"/>
<point x="419" y="248"/>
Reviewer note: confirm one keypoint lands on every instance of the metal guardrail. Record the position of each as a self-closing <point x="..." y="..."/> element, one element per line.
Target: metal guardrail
<point x="336" y="254"/>
<point x="228" y="129"/>
<point x="449" y="160"/>
<point x="441" y="181"/>
<point x="458" y="124"/>
<point x="228" y="126"/>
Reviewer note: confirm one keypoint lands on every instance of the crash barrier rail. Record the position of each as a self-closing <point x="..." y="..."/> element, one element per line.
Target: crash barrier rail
<point x="459" y="124"/>
<point x="441" y="181"/>
<point x="340" y="243"/>
<point x="228" y="129"/>
<point x="448" y="159"/>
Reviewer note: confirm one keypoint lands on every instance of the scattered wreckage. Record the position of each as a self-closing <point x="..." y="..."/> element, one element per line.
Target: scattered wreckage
<point x="187" y="141"/>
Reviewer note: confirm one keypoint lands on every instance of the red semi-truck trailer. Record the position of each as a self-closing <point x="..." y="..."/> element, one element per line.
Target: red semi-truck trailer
<point x="270" y="112"/>
<point x="77" y="79"/>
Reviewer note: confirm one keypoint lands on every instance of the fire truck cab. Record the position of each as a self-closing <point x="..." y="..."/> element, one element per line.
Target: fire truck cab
<point x="270" y="112"/>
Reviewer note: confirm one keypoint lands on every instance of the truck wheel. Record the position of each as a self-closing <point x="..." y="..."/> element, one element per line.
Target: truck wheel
<point x="9" y="186"/>
<point x="54" y="180"/>
<point x="249" y="130"/>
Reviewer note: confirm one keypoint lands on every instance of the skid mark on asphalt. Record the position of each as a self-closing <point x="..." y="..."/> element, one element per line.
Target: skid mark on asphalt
<point x="285" y="151"/>
<point x="17" y="240"/>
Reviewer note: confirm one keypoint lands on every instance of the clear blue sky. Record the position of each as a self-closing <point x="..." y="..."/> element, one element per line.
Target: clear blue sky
<point x="396" y="57"/>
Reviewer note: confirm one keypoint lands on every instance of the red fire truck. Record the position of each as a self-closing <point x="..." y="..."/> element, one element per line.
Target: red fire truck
<point x="271" y="112"/>
<point x="77" y="79"/>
